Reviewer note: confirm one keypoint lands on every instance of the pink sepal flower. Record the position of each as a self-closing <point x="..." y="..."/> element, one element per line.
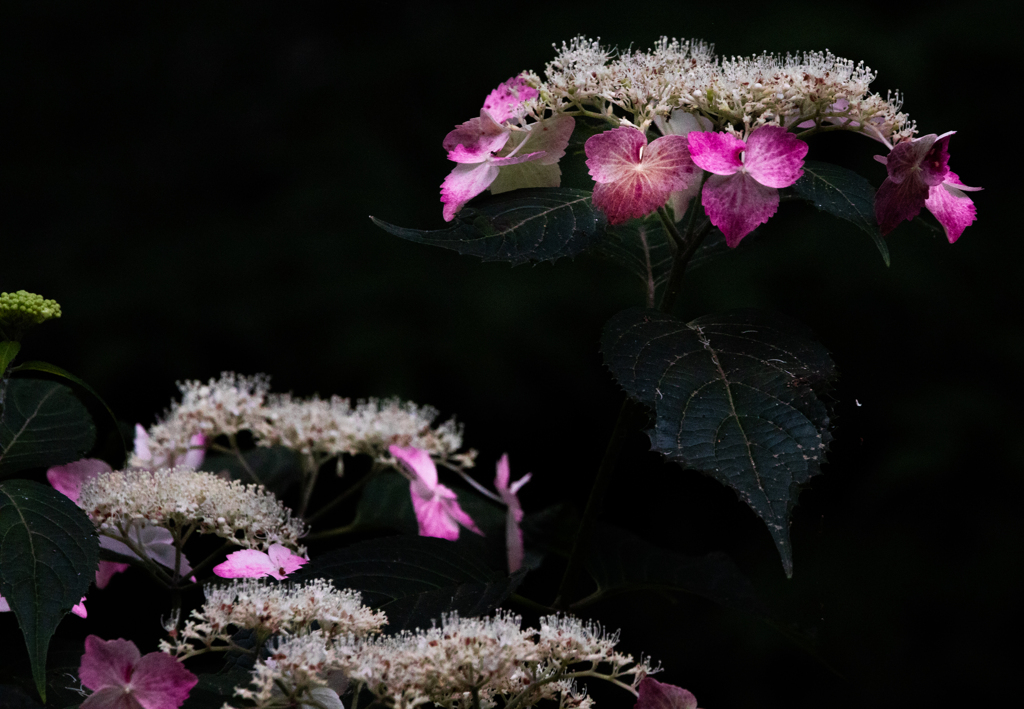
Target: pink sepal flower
<point x="652" y="694"/>
<point x="919" y="176"/>
<point x="121" y="678"/>
<point x="107" y="570"/>
<point x="682" y="123"/>
<point x="157" y="542"/>
<point x="743" y="192"/>
<point x="508" y="494"/>
<point x="278" y="561"/>
<point x="503" y="101"/>
<point x="634" y="178"/>
<point x="192" y="458"/>
<point x="437" y="509"/>
<point x="78" y="609"/>
<point x="68" y="479"/>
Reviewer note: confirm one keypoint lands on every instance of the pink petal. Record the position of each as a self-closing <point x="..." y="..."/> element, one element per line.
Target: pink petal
<point x="111" y="698"/>
<point x="68" y="479"/>
<point x="513" y="543"/>
<point x="774" y="157"/>
<point x="501" y="102"/>
<point x="680" y="122"/>
<point x="614" y="155"/>
<point x="924" y="160"/>
<point x="502" y="474"/>
<point x="285" y="561"/>
<point x="453" y="510"/>
<point x="419" y="462"/>
<point x="475" y="140"/>
<point x="433" y="518"/>
<point x="653" y="694"/>
<point x="463" y="184"/>
<point x="196" y="452"/>
<point x="142" y="443"/>
<point x="107" y="663"/>
<point x="953" y="179"/>
<point x="79" y="609"/>
<point x="737" y="204"/>
<point x="954" y="210"/>
<point x="516" y="159"/>
<point x="161" y="682"/>
<point x="897" y="201"/>
<point x="106" y="571"/>
<point x="5" y="607"/>
<point x="246" y="564"/>
<point x="716" y="152"/>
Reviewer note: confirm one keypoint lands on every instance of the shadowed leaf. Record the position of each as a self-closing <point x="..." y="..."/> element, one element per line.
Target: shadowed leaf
<point x="734" y="396"/>
<point x="42" y="424"/>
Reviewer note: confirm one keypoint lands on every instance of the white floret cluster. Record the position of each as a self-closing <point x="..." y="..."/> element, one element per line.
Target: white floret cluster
<point x="181" y="498"/>
<point x="313" y="427"/>
<point x="269" y="608"/>
<point x="461" y="663"/>
<point x="737" y="94"/>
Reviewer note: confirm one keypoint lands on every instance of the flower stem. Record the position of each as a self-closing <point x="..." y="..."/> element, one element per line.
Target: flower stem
<point x="359" y="485"/>
<point x="336" y="532"/>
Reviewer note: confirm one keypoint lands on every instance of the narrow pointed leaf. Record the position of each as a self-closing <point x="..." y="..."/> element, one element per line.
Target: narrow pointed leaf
<point x="8" y="351"/>
<point x="414" y="579"/>
<point x="532" y="225"/>
<point x="844" y="194"/>
<point x="42" y="424"/>
<point x="48" y="557"/>
<point x="735" y="396"/>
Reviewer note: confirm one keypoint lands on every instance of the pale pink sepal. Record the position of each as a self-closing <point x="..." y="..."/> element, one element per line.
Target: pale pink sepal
<point x="192" y="458"/>
<point x="634" y="178"/>
<point x="464" y="183"/>
<point x="501" y="102"/>
<point x="652" y="694"/>
<point x="122" y="679"/>
<point x="437" y="509"/>
<point x="107" y="570"/>
<point x="774" y="157"/>
<point x="278" y="561"/>
<point x="737" y="204"/>
<point x="680" y="122"/>
<point x="156" y="542"/>
<point x="475" y="140"/>
<point x="718" y="153"/>
<point x="954" y="210"/>
<point x="514" y="515"/>
<point x="68" y="479"/>
<point x="79" y="609"/>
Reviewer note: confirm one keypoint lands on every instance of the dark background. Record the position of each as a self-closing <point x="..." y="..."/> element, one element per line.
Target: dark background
<point x="193" y="185"/>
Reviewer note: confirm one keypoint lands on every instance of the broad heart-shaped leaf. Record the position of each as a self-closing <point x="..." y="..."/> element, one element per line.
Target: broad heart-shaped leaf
<point x="734" y="396"/>
<point x="844" y="194"/>
<point x="539" y="224"/>
<point x="620" y="561"/>
<point x="415" y="580"/>
<point x="42" y="424"/>
<point x="276" y="468"/>
<point x="48" y="557"/>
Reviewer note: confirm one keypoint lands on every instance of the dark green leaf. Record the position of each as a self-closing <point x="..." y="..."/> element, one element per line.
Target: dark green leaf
<point x="213" y="690"/>
<point x="42" y="424"/>
<point x="48" y="558"/>
<point x="620" y="562"/>
<point x="644" y="249"/>
<point x="844" y="194"/>
<point x="8" y="351"/>
<point x="734" y="397"/>
<point x="540" y="224"/>
<point x="414" y="579"/>
<point x="276" y="468"/>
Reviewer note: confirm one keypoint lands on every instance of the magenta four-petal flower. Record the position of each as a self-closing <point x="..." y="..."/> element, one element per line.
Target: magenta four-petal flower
<point x="743" y="191"/>
<point x="122" y="678"/>
<point x="919" y="176"/>
<point x="634" y="178"/>
<point x="437" y="509"/>
<point x="278" y="561"/>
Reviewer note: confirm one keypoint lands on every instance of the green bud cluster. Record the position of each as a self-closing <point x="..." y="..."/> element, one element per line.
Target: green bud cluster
<point x="23" y="309"/>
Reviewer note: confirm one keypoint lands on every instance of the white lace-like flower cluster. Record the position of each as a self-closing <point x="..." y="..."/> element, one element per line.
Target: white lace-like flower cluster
<point x="273" y="609"/>
<point x="314" y="427"/>
<point x="297" y="668"/>
<point x="179" y="498"/>
<point x="737" y="94"/>
<point x="460" y="663"/>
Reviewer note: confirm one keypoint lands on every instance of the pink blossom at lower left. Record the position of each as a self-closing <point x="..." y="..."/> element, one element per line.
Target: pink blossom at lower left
<point x="122" y="678"/>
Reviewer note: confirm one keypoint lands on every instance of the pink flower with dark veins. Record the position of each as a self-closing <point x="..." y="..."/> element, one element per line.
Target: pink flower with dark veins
<point x="493" y="154"/>
<point x="743" y="192"/>
<point x="513" y="534"/>
<point x="437" y="508"/>
<point x="278" y="561"/>
<point x="122" y="678"/>
<point x="919" y="176"/>
<point x="634" y="178"/>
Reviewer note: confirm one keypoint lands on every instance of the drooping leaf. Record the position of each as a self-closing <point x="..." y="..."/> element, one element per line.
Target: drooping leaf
<point x="42" y="424"/>
<point x="8" y="351"/>
<point x="276" y="468"/>
<point x="734" y="396"/>
<point x="620" y="562"/>
<point x="48" y="557"/>
<point x="844" y="194"/>
<point x="414" y="579"/>
<point x="532" y="225"/>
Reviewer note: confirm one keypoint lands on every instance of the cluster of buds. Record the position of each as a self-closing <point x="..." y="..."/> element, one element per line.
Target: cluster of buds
<point x="21" y="310"/>
<point x="732" y="130"/>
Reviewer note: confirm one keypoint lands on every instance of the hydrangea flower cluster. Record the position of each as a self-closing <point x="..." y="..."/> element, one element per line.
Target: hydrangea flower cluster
<point x="22" y="309"/>
<point x="273" y="609"/>
<point x="313" y="427"/>
<point x="459" y="663"/>
<point x="181" y="498"/>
